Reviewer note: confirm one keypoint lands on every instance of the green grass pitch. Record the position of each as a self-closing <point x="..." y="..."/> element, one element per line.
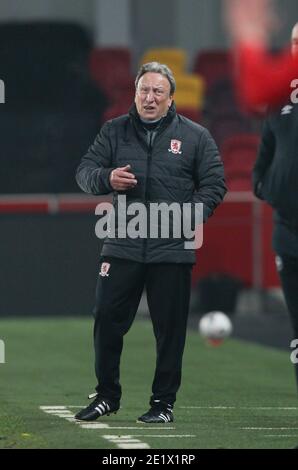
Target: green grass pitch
<point x="238" y="395"/>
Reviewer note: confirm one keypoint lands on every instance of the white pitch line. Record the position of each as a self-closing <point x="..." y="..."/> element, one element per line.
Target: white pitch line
<point x="52" y="408"/>
<point x="99" y="425"/>
<point x="140" y="427"/>
<point x="140" y="445"/>
<point x="65" y="415"/>
<point x="55" y="412"/>
<point x="267" y="429"/>
<point x="131" y="443"/>
<point x="122" y="441"/>
<point x="157" y="435"/>
<point x="239" y="407"/>
<point x="280" y="435"/>
<point x="208" y="407"/>
<point x="166" y="435"/>
<point x="94" y="426"/>
<point x="126" y="442"/>
<point x="60" y="413"/>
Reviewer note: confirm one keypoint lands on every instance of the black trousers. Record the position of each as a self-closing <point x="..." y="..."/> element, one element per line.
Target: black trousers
<point x="287" y="267"/>
<point x="118" y="295"/>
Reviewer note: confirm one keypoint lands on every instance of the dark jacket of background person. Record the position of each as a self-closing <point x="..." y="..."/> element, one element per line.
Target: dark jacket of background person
<point x="194" y="175"/>
<point x="275" y="175"/>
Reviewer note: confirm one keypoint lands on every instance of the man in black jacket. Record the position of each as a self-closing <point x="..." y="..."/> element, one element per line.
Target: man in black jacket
<point x="151" y="155"/>
<point x="275" y="179"/>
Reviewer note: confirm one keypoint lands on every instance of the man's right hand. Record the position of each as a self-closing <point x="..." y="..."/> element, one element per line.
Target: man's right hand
<point x="250" y="21"/>
<point x="121" y="178"/>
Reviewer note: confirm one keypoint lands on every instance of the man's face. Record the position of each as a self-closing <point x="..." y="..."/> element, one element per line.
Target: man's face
<point x="295" y="41"/>
<point x="153" y="97"/>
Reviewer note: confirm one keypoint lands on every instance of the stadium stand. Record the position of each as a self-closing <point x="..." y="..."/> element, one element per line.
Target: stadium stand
<point x="190" y="90"/>
<point x="239" y="154"/>
<point x="220" y="99"/>
<point x="116" y="110"/>
<point x="213" y="65"/>
<point x="110" y="68"/>
<point x="190" y="113"/>
<point x="175" y="58"/>
<point x="52" y="109"/>
<point x="228" y="124"/>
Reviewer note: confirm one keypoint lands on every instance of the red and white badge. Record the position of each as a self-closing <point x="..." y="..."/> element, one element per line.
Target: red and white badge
<point x="175" y="146"/>
<point x="104" y="269"/>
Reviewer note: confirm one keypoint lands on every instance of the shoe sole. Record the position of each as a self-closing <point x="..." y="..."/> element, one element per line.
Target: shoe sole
<point x="112" y="412"/>
<point x="154" y="422"/>
<point x="90" y="420"/>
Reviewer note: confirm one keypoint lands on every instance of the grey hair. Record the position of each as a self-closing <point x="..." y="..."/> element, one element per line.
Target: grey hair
<point x="156" y="67"/>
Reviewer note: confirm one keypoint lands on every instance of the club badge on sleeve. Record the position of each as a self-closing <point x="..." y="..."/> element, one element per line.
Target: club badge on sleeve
<point x="104" y="269"/>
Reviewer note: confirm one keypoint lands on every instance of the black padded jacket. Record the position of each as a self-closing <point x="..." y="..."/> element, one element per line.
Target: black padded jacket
<point x="192" y="172"/>
<point x="275" y="173"/>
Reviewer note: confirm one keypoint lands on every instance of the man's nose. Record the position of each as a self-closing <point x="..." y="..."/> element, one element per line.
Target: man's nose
<point x="150" y="96"/>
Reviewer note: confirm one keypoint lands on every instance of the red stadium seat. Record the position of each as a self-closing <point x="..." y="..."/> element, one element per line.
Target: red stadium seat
<point x="119" y="56"/>
<point x="224" y="126"/>
<point x="221" y="98"/>
<point x="213" y="65"/>
<point x="110" y="68"/>
<point x="190" y="113"/>
<point x="115" y="110"/>
<point x="239" y="154"/>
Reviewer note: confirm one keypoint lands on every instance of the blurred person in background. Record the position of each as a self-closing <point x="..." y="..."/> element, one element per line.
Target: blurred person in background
<point x="275" y="179"/>
<point x="261" y="78"/>
<point x="150" y="155"/>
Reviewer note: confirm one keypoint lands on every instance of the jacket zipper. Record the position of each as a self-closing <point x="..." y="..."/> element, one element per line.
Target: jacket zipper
<point x="149" y="159"/>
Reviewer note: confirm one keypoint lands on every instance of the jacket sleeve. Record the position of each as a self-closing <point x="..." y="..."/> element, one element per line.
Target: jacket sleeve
<point x="209" y="176"/>
<point x="93" y="173"/>
<point x="264" y="158"/>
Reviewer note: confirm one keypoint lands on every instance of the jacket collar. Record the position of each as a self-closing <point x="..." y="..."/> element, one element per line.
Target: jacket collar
<point x="133" y="113"/>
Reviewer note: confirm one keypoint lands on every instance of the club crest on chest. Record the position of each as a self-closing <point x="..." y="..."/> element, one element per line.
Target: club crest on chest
<point x="175" y="147"/>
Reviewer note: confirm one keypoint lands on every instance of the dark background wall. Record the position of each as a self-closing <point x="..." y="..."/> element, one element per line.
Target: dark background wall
<point x="49" y="264"/>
